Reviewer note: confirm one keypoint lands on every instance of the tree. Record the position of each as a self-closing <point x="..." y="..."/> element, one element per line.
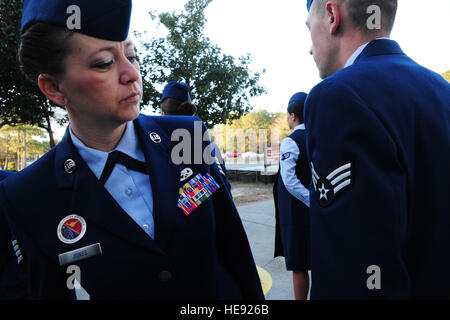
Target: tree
<point x="221" y="85"/>
<point x="280" y="125"/>
<point x="251" y="132"/>
<point x="21" y="101"/>
<point x="19" y="144"/>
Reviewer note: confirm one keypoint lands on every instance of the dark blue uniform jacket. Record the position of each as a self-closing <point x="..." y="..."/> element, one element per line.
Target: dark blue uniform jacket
<point x="4" y="175"/>
<point x="378" y="142"/>
<point x="12" y="280"/>
<point x="205" y="255"/>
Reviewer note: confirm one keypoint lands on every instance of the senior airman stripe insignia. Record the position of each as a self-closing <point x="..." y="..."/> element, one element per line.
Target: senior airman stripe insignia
<point x="336" y="181"/>
<point x="341" y="177"/>
<point x="315" y="176"/>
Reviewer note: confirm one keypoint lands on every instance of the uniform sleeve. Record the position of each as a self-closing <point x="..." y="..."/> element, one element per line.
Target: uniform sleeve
<point x="220" y="164"/>
<point x="232" y="242"/>
<point x="5" y="248"/>
<point x="358" y="199"/>
<point x="289" y="154"/>
<point x="12" y="277"/>
<point x="24" y="281"/>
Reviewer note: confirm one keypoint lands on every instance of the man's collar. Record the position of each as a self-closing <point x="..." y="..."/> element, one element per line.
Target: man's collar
<point x="358" y="51"/>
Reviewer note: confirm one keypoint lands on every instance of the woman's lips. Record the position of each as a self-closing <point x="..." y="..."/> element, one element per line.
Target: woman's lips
<point x="135" y="97"/>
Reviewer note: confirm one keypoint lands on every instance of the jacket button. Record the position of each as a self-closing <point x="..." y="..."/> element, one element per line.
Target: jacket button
<point x="165" y="276"/>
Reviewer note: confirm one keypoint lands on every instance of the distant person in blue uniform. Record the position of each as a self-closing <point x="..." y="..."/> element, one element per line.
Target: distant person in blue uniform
<point x="107" y="214"/>
<point x="176" y="101"/>
<point x="291" y="195"/>
<point x="378" y="145"/>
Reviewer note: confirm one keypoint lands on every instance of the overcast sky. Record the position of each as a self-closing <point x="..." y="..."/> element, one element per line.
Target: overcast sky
<point x="275" y="34"/>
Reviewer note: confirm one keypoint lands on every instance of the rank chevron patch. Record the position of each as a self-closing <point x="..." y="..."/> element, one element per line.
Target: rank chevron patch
<point x="327" y="188"/>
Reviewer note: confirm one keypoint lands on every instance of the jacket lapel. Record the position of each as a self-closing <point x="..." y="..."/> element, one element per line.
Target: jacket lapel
<point x="164" y="179"/>
<point x="92" y="201"/>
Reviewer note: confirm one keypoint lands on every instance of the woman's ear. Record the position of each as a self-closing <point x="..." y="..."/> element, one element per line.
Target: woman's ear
<point x="50" y="88"/>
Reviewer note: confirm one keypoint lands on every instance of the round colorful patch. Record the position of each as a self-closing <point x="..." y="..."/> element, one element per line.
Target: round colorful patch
<point x="71" y="229"/>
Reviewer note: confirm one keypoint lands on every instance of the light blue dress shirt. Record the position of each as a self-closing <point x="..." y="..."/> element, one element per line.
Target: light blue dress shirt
<point x="358" y="51"/>
<point x="287" y="169"/>
<point x="131" y="189"/>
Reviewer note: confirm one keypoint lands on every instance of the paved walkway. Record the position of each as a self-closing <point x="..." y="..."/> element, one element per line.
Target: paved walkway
<point x="259" y="223"/>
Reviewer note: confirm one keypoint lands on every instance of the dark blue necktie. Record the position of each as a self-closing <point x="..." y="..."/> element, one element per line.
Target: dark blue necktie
<point x="123" y="159"/>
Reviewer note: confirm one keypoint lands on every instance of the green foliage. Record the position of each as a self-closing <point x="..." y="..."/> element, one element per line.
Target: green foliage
<point x="280" y="124"/>
<point x="252" y="132"/>
<point x="21" y="101"/>
<point x="221" y="85"/>
<point x="258" y="119"/>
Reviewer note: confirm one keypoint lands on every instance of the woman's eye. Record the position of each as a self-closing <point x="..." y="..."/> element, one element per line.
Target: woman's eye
<point x="133" y="59"/>
<point x="103" y="65"/>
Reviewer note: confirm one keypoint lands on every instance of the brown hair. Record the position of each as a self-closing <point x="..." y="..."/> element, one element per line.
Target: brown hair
<point x="174" y="107"/>
<point x="43" y="49"/>
<point x="357" y="10"/>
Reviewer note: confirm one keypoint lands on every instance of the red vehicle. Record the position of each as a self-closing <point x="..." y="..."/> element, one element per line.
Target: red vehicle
<point x="232" y="155"/>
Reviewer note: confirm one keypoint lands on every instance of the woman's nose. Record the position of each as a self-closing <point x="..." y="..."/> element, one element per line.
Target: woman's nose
<point x="129" y="72"/>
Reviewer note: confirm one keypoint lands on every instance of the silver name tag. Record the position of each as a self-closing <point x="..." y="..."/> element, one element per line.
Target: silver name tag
<point x="80" y="254"/>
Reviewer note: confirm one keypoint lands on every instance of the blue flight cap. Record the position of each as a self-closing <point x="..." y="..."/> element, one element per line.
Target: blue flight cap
<point x="103" y="19"/>
<point x="176" y="90"/>
<point x="297" y="103"/>
<point x="309" y="4"/>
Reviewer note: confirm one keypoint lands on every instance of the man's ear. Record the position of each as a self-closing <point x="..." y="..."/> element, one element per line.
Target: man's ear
<point x="50" y="88"/>
<point x="333" y="12"/>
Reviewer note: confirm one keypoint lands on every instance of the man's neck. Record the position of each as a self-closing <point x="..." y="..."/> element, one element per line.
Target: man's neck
<point x="353" y="43"/>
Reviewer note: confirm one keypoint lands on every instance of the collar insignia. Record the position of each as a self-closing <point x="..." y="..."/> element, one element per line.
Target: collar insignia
<point x="186" y="173"/>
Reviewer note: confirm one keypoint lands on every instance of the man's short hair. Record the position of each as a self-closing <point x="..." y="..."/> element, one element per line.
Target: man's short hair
<point x="357" y="10"/>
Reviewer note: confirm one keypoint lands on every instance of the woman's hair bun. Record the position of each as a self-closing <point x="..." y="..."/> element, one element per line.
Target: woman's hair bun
<point x="187" y="108"/>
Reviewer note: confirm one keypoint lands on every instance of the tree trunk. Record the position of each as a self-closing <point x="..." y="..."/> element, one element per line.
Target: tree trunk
<point x="50" y="132"/>
<point x="7" y="153"/>
<point x="24" y="148"/>
<point x="18" y="157"/>
<point x="18" y="161"/>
